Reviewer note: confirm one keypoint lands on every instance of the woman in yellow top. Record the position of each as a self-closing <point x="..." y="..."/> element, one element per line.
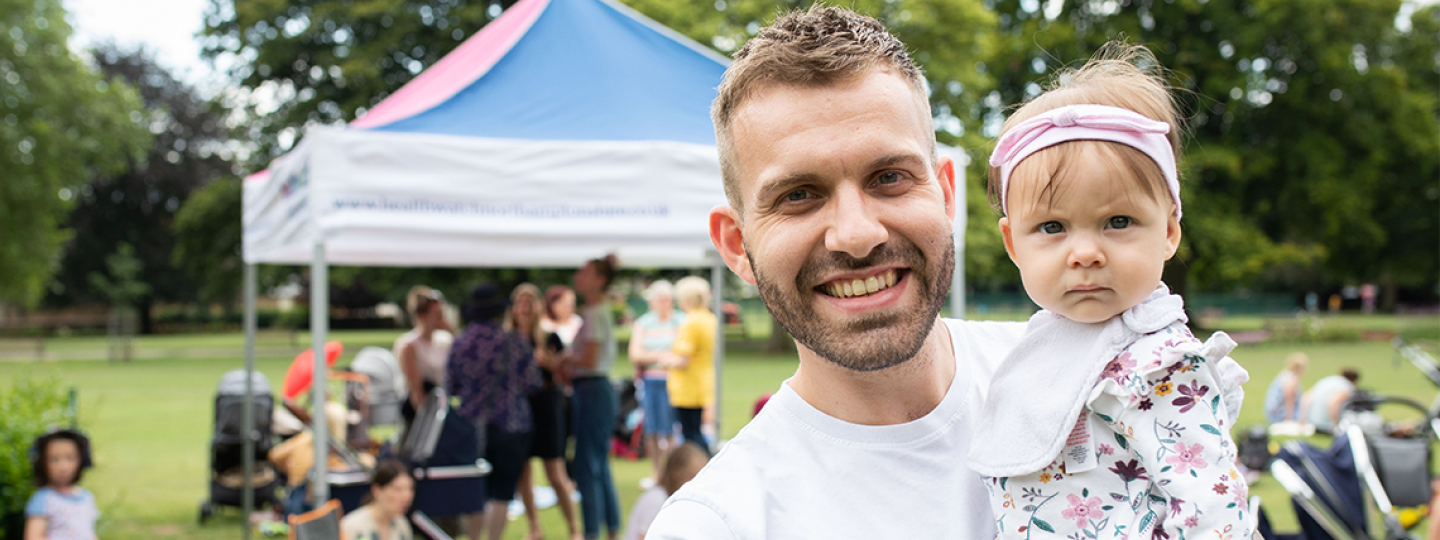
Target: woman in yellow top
<point x="692" y="359"/>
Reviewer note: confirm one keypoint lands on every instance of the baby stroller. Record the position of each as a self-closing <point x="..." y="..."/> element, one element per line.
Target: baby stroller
<point x="1369" y="464"/>
<point x="227" y="445"/>
<point x="387" y="385"/>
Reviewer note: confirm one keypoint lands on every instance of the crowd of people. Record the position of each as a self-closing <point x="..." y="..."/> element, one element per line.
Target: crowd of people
<point x="532" y="374"/>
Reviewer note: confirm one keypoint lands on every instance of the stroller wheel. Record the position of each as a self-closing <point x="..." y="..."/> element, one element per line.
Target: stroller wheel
<point x="206" y="510"/>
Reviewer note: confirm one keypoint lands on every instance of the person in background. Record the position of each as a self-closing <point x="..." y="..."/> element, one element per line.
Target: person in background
<point x="595" y="404"/>
<point x="680" y="466"/>
<point x="422" y="352"/>
<point x="650" y="339"/>
<point x="382" y="514"/>
<point x="1282" y="398"/>
<point x="493" y="372"/>
<point x="560" y="317"/>
<point x="60" y="509"/>
<point x="1322" y="403"/>
<point x="691" y="359"/>
<point x="547" y="409"/>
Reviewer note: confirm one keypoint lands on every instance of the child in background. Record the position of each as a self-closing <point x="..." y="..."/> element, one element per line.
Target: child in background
<point x="1109" y="419"/>
<point x="60" y="509"/>
<point x="681" y="466"/>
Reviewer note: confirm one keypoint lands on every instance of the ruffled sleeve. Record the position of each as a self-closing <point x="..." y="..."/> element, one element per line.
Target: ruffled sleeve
<point x="1172" y="401"/>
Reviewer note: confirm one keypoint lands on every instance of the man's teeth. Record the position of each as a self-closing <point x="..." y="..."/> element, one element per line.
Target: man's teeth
<point x="862" y="287"/>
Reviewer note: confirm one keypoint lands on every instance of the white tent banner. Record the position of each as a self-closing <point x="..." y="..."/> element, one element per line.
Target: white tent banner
<point x="378" y="198"/>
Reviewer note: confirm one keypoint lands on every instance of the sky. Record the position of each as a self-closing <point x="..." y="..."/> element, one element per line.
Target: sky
<point x="167" y="27"/>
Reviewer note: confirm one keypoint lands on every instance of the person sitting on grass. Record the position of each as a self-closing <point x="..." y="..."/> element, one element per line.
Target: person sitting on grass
<point x="680" y="466"/>
<point x="382" y="516"/>
<point x="60" y="509"/>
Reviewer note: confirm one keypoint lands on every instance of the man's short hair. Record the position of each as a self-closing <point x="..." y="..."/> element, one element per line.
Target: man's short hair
<point x="819" y="47"/>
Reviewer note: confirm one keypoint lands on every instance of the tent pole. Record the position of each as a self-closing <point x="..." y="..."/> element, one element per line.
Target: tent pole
<point x="717" y="288"/>
<point x="319" y="320"/>
<point x="962" y="220"/>
<point x="247" y="417"/>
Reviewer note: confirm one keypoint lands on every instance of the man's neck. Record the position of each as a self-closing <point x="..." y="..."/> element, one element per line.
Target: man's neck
<point x="894" y="395"/>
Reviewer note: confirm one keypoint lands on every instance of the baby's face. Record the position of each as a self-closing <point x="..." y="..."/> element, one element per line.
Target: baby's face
<point x="1097" y="247"/>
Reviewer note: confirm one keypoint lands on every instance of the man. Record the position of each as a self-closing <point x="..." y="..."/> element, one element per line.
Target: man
<point x="841" y="214"/>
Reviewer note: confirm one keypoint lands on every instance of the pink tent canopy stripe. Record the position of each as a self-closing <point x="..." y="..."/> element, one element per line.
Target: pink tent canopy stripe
<point x="457" y="70"/>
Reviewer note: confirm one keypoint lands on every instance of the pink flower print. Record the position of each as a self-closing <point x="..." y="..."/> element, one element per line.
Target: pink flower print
<point x="1192" y="521"/>
<point x="1187" y="458"/>
<point x="1107" y="449"/>
<point x="1081" y="510"/>
<point x="1116" y="369"/>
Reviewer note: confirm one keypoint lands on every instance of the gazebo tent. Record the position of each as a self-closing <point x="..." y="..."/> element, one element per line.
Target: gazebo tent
<point x="562" y="131"/>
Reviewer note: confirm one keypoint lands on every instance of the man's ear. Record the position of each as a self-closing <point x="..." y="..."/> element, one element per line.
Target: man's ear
<point x="945" y="174"/>
<point x="1172" y="237"/>
<point x="1005" y="235"/>
<point x="725" y="233"/>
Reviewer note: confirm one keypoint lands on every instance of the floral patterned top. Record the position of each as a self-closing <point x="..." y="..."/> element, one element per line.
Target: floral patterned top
<point x="493" y="372"/>
<point x="1158" y="423"/>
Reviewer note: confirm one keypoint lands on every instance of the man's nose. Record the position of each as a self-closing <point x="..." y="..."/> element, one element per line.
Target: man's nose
<point x="855" y="227"/>
<point x="1085" y="251"/>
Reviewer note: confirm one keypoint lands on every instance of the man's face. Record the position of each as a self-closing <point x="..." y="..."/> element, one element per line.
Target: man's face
<point x="847" y="218"/>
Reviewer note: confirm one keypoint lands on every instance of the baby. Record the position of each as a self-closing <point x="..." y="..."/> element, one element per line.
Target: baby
<point x="1109" y="419"/>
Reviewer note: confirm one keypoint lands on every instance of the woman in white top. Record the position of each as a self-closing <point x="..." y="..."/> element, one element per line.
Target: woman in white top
<point x="423" y="351"/>
<point x="382" y="517"/>
<point x="560" y="317"/>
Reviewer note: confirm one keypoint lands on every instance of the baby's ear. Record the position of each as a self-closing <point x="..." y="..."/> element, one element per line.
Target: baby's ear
<point x="1005" y="235"/>
<point x="1172" y="237"/>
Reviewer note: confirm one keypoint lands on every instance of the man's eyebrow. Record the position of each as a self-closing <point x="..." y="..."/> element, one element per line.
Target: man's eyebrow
<point x="896" y="159"/>
<point x="771" y="189"/>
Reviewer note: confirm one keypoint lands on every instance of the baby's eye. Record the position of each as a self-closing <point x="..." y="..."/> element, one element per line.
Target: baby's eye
<point x="1052" y="227"/>
<point x="1120" y="222"/>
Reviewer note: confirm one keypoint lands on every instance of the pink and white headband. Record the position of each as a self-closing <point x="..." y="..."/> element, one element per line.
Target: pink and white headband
<point x="1086" y="123"/>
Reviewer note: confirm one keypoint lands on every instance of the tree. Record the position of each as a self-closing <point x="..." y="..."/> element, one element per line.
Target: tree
<point x="60" y="125"/>
<point x="137" y="206"/>
<point x="207" y="240"/>
<point x="1308" y="139"/>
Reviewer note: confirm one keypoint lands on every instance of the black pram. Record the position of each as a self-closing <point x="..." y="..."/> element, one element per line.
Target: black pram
<point x="227" y="445"/>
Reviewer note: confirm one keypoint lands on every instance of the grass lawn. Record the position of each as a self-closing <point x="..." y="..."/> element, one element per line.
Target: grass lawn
<point x="151" y="419"/>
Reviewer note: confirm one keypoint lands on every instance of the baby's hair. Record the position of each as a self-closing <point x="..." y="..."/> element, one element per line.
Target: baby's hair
<point x="1119" y="75"/>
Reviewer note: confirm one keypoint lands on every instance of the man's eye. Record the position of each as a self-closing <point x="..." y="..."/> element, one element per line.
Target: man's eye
<point x="1120" y="222"/>
<point x="888" y="178"/>
<point x="1052" y="227"/>
<point x="797" y="195"/>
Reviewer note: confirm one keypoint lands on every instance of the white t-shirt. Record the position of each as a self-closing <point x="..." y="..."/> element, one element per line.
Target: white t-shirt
<point x="643" y="514"/>
<point x="795" y="472"/>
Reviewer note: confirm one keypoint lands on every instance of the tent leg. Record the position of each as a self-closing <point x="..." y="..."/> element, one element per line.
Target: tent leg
<point x="319" y="320"/>
<point x="247" y="416"/>
<point x="717" y="288"/>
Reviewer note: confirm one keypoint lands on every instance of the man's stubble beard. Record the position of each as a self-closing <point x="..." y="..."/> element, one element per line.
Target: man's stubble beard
<point x="894" y="338"/>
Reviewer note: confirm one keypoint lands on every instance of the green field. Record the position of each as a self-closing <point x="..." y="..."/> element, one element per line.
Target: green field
<point x="151" y="419"/>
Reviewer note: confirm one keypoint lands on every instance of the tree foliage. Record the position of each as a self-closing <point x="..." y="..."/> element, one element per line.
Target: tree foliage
<point x="60" y="125"/>
<point x="137" y="207"/>
<point x="327" y="61"/>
